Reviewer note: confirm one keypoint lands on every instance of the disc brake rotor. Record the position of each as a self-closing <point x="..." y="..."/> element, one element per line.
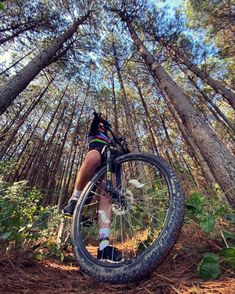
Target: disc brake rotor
<point x="125" y="206"/>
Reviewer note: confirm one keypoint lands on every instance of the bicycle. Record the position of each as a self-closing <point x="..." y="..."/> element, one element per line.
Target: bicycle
<point x="147" y="214"/>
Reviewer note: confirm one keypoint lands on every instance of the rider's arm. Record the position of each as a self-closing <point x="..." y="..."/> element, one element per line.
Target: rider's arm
<point x="94" y="126"/>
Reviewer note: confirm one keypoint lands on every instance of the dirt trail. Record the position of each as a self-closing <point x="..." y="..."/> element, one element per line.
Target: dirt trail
<point x="176" y="275"/>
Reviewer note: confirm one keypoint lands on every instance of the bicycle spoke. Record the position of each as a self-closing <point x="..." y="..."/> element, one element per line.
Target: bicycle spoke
<point x="150" y="214"/>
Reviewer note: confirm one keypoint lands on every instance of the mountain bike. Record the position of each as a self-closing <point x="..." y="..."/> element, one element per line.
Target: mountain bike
<point x="147" y="206"/>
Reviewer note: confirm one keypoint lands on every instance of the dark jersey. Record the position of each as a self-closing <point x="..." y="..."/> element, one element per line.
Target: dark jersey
<point x="95" y="134"/>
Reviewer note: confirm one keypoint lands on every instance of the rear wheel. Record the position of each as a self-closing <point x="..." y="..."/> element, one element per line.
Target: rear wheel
<point x="144" y="225"/>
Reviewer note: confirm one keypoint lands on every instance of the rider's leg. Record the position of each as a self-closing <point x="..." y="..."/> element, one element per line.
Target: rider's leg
<point x="105" y="214"/>
<point x="87" y="170"/>
<point x="105" y="251"/>
<point x="104" y="219"/>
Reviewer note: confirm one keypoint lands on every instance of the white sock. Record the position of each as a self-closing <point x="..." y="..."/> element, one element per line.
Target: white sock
<point x="103" y="233"/>
<point x="76" y="194"/>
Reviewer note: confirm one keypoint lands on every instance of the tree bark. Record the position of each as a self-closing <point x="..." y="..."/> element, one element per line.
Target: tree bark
<point x="21" y="80"/>
<point x="196" y="152"/>
<point x="149" y="120"/>
<point x="211" y="105"/>
<point x="17" y="33"/>
<point x="39" y="151"/>
<point x="220" y="161"/>
<point x="131" y="128"/>
<point x="23" y="118"/>
<point x="216" y="85"/>
<point x="15" y="63"/>
<point x="115" y="105"/>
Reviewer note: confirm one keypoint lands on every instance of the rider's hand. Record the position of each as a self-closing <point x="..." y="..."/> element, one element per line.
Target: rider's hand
<point x="103" y="117"/>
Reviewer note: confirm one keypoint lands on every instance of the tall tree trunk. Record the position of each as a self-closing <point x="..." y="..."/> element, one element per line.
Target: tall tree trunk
<point x="211" y="105"/>
<point x="220" y="161"/>
<point x="15" y="63"/>
<point x="21" y="80"/>
<point x="54" y="170"/>
<point x="149" y="120"/>
<point x="30" y="137"/>
<point x="17" y="33"/>
<point x="196" y="152"/>
<point x="115" y="105"/>
<point x="216" y="85"/>
<point x="172" y="149"/>
<point x="131" y="128"/>
<point x="23" y="118"/>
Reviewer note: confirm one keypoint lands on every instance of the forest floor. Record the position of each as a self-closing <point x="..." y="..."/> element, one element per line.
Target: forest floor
<point x="178" y="273"/>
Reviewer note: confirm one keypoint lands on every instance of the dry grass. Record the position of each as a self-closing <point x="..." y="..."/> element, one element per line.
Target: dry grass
<point x="176" y="275"/>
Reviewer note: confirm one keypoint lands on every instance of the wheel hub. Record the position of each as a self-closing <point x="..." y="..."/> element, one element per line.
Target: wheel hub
<point x="124" y="203"/>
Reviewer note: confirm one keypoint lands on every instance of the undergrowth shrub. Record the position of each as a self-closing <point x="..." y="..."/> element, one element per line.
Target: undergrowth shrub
<point x="216" y="219"/>
<point x="23" y="220"/>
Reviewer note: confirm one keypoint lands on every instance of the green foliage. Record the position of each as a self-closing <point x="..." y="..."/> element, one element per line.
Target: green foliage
<point x="209" y="267"/>
<point x="207" y="215"/>
<point x="1" y="6"/>
<point x="229" y="256"/>
<point x="6" y="166"/>
<point x="203" y="211"/>
<point x="194" y="203"/>
<point x="54" y="250"/>
<point x="18" y="206"/>
<point x="207" y="223"/>
<point x="22" y="218"/>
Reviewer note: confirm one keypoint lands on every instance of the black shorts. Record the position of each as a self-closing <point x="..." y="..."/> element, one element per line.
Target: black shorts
<point x="99" y="147"/>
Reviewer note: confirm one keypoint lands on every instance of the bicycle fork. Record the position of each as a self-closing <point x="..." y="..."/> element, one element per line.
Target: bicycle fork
<point x="109" y="184"/>
<point x="114" y="194"/>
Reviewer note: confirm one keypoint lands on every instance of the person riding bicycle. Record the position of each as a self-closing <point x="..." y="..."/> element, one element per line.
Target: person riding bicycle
<point x="97" y="139"/>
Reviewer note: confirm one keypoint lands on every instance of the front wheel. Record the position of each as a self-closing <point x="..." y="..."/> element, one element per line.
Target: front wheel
<point x="144" y="224"/>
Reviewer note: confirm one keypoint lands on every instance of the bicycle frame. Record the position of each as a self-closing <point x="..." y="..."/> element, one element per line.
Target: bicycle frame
<point x="110" y="165"/>
<point x="109" y="185"/>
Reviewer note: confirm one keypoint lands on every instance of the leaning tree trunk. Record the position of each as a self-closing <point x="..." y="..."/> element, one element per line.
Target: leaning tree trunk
<point x="220" y="161"/>
<point x="196" y="152"/>
<point x="23" y="119"/>
<point x="217" y="86"/>
<point x="211" y="105"/>
<point x="15" y="63"/>
<point x="21" y="80"/>
<point x="17" y="33"/>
